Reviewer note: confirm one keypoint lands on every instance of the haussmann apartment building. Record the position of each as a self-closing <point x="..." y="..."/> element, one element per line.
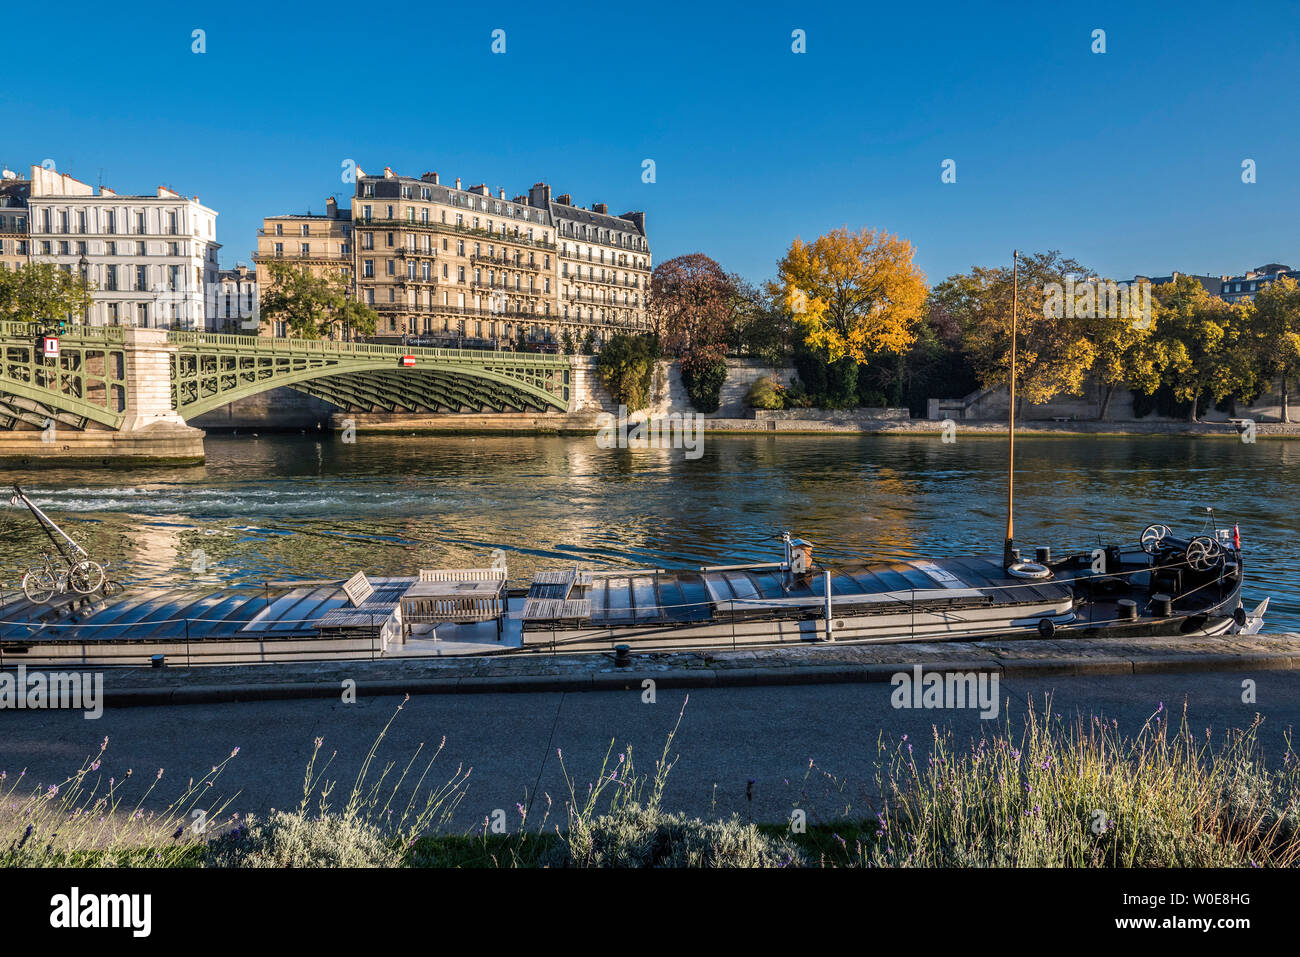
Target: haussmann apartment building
<point x="448" y="265"/>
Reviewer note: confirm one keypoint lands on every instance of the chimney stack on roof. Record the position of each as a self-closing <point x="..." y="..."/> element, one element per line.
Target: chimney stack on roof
<point x="458" y="182"/>
<point x="430" y="178"/>
<point x="600" y="208"/>
<point x="331" y="208"/>
<point x="564" y="199"/>
<point x="540" y="196"/>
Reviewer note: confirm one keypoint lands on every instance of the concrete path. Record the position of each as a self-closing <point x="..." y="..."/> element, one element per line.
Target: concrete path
<point x="728" y="736"/>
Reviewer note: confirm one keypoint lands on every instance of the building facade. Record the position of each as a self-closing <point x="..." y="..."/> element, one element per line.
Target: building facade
<point x="1243" y="288"/>
<point x="604" y="270"/>
<point x="234" y="308"/>
<point x="320" y="242"/>
<point x="446" y="264"/>
<point x="453" y="265"/>
<point x="14" y="225"/>
<point x="151" y="259"/>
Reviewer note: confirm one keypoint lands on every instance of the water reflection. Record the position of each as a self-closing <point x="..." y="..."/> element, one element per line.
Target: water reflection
<point x="275" y="506"/>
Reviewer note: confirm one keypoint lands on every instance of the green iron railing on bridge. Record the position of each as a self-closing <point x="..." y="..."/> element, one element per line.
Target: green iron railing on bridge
<point x="88" y="380"/>
<point x="210" y="370"/>
<point x="279" y="345"/>
<point x="85" y="382"/>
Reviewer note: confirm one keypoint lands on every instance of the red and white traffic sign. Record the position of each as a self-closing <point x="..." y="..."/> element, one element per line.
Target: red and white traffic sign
<point x="408" y="360"/>
<point x="50" y="347"/>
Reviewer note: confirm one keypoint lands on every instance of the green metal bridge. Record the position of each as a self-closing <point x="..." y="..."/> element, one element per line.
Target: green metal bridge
<point x="93" y="379"/>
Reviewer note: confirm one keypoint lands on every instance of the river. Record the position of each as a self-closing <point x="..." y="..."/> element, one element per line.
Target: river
<point x="285" y="506"/>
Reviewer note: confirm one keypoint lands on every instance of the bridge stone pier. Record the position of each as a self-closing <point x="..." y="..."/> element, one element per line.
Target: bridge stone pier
<point x="106" y="400"/>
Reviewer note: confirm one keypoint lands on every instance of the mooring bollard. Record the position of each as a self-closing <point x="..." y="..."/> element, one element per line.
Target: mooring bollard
<point x="157" y="660"/>
<point x="622" y="656"/>
<point x="830" y="624"/>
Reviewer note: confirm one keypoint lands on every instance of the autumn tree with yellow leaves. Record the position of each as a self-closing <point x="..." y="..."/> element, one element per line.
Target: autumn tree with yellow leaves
<point x="853" y="294"/>
<point x="1276" y="326"/>
<point x="1206" y="343"/>
<point x="1126" y="351"/>
<point x="1053" y="352"/>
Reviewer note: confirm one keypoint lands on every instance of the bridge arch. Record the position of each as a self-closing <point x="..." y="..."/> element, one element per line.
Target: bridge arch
<point x="209" y="371"/>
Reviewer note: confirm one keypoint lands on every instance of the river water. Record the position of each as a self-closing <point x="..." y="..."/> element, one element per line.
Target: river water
<point x="273" y="507"/>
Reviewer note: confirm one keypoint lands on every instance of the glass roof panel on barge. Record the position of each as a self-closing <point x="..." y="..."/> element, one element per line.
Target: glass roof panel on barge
<point x="685" y="596"/>
<point x="174" y="614"/>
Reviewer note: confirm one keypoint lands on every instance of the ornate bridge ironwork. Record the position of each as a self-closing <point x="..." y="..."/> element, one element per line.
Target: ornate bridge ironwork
<point x="210" y="370"/>
<point x="88" y="384"/>
<point x="85" y="383"/>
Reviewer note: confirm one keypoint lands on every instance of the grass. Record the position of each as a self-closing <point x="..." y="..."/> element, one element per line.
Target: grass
<point x="1052" y="793"/>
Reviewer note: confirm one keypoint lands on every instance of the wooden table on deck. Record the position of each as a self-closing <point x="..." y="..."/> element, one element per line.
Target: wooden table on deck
<point x="435" y="602"/>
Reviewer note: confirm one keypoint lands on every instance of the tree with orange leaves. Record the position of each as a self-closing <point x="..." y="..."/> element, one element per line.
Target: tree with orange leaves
<point x="853" y="294"/>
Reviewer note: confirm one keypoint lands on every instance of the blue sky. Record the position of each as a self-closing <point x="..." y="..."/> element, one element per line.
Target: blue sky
<point x="1130" y="160"/>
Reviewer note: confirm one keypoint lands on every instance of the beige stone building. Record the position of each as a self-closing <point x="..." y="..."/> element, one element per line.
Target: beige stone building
<point x="446" y="264"/>
<point x="604" y="269"/>
<point x="322" y="242"/>
<point x="451" y="264"/>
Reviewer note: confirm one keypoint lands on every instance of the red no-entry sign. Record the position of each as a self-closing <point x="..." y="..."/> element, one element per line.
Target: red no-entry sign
<point x="50" y="347"/>
<point x="408" y="360"/>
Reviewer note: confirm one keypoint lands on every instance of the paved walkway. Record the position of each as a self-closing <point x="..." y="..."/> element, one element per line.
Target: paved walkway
<point x="728" y="737"/>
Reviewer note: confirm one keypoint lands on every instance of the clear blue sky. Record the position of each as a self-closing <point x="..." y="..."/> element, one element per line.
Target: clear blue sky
<point x="1129" y="161"/>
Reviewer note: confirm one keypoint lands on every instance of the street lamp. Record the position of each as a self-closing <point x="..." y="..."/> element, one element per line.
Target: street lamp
<point x="84" y="263"/>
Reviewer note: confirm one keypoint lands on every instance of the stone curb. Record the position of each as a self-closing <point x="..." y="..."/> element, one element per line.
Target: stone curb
<point x="747" y="677"/>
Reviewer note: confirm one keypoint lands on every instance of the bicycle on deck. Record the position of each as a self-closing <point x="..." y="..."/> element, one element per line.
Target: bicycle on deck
<point x="68" y="568"/>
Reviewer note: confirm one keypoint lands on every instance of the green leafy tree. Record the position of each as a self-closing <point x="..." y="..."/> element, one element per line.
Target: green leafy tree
<point x="1125" y="352"/>
<point x="625" y="367"/>
<point x="703" y="373"/>
<point x="313" y="305"/>
<point x="1276" y="327"/>
<point x="1204" y="343"/>
<point x="43" y="292"/>
<point x="761" y="326"/>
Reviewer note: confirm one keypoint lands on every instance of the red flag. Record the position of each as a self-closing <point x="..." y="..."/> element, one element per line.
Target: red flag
<point x="1236" y="538"/>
